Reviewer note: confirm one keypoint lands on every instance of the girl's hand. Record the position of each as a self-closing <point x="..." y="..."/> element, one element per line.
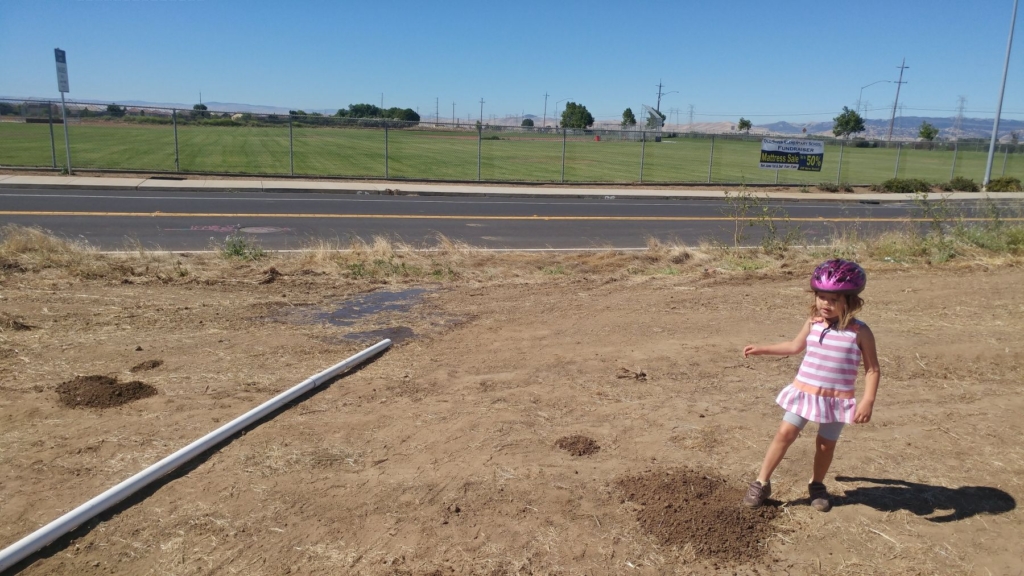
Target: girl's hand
<point x="751" y="351"/>
<point x="863" y="413"/>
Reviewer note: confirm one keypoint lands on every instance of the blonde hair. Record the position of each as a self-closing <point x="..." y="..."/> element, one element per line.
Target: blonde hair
<point x="853" y="304"/>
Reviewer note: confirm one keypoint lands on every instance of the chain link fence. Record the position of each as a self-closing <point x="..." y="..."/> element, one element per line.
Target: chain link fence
<point x="205" y="142"/>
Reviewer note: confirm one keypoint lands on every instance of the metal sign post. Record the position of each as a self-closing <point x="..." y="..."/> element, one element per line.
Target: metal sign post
<point x="62" y="85"/>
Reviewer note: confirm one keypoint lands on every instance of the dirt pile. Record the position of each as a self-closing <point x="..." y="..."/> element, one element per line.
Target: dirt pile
<point x="147" y="365"/>
<point x="101" y="392"/>
<point x="578" y="445"/>
<point x="686" y="507"/>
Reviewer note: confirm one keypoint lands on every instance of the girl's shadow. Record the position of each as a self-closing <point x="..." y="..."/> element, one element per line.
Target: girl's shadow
<point x="923" y="499"/>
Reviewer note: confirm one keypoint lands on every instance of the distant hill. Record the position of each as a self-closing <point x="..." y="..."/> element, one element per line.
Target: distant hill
<point x="905" y="128"/>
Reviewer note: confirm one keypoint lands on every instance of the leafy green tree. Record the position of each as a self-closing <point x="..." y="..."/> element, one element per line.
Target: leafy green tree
<point x="115" y="111"/>
<point x="528" y="122"/>
<point x="576" y="116"/>
<point x="927" y="131"/>
<point x="628" y="119"/>
<point x="9" y="109"/>
<point x="848" y="122"/>
<point x="200" y="111"/>
<point x="650" y="119"/>
<point x="744" y="124"/>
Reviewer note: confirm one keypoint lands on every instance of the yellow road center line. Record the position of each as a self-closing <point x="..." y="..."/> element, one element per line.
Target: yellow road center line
<point x="447" y="217"/>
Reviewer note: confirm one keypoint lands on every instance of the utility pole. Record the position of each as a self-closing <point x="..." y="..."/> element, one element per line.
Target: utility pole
<point x="691" y="117"/>
<point x="999" y="106"/>
<point x="544" y="123"/>
<point x="381" y="100"/>
<point x="481" y="111"/>
<point x="453" y="113"/>
<point x="899" y="83"/>
<point x="658" y="105"/>
<point x="437" y="110"/>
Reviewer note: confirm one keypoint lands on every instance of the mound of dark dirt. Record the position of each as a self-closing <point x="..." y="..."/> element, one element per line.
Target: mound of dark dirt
<point x="147" y="365"/>
<point x="101" y="392"/>
<point x="682" y="506"/>
<point x="578" y="445"/>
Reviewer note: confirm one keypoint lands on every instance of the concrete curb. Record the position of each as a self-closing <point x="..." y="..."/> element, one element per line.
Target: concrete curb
<point x="464" y="190"/>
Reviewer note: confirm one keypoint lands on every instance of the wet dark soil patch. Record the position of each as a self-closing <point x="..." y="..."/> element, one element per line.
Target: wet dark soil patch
<point x="578" y="445"/>
<point x="397" y="335"/>
<point x="101" y="392"/>
<point x="348" y="312"/>
<point x="147" y="365"/>
<point x="687" y="507"/>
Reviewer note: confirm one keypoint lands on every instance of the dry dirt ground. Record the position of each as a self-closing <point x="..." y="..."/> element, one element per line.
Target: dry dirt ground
<point x="443" y="455"/>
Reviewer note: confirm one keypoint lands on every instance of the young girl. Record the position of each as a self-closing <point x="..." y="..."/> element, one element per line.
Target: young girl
<point x="823" y="391"/>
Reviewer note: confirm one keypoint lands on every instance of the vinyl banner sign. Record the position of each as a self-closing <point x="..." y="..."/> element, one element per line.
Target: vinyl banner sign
<point x="792" y="154"/>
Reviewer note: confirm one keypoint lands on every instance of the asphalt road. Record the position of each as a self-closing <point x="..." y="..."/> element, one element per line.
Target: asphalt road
<point x="201" y="220"/>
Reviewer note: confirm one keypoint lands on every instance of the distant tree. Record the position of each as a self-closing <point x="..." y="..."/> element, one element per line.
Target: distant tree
<point x="364" y="111"/>
<point x="85" y="113"/>
<point x="1014" y="138"/>
<point x="527" y="122"/>
<point x="9" y="109"/>
<point x="116" y="111"/>
<point x="628" y="119"/>
<point x="848" y="122"/>
<point x="576" y="116"/>
<point x="927" y="131"/>
<point x="200" y="111"/>
<point x="297" y="112"/>
<point x="745" y="124"/>
<point x="650" y="118"/>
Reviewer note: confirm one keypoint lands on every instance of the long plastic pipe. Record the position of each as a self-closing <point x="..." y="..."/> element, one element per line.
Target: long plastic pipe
<point x="33" y="542"/>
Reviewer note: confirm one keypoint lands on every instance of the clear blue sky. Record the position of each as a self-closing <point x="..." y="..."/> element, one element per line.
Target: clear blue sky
<point x="799" y="61"/>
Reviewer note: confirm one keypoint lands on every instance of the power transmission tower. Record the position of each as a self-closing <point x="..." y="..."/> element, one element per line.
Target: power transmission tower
<point x="899" y="84"/>
<point x="958" y="122"/>
<point x="544" y="123"/>
<point x="691" y="117"/>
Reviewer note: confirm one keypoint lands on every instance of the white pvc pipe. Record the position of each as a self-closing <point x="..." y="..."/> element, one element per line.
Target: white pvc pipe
<point x="33" y="542"/>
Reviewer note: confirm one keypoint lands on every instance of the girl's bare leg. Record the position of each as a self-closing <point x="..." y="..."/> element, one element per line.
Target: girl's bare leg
<point x="823" y="451"/>
<point x="786" y="435"/>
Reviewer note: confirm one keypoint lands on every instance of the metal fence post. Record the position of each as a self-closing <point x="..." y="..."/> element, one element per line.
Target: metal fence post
<point x="839" y="172"/>
<point x="899" y="146"/>
<point x="776" y="175"/>
<point x="53" y="147"/>
<point x="563" y="155"/>
<point x="386" y="173"/>
<point x="174" y="120"/>
<point x="643" y="146"/>
<point x="64" y="116"/>
<point x="711" y="160"/>
<point x="291" y="148"/>
<point x="1006" y="151"/>
<point x="952" y="169"/>
<point x="479" y="144"/>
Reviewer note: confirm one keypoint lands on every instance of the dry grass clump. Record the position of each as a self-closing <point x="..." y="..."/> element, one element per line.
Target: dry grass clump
<point x="37" y="249"/>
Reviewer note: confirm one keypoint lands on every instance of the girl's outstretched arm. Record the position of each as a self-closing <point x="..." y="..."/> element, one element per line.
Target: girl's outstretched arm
<point x="795" y="346"/>
<point x="872" y="374"/>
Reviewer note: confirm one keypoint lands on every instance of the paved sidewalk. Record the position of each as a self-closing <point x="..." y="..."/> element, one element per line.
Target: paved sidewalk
<point x="412" y="188"/>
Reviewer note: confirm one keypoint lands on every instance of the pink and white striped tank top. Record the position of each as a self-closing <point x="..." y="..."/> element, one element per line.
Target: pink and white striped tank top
<point x="830" y="365"/>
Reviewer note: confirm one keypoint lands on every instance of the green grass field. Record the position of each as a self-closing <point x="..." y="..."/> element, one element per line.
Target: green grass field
<point x="441" y="155"/>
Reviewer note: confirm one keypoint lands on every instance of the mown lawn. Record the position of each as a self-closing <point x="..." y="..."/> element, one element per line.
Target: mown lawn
<point x="424" y="154"/>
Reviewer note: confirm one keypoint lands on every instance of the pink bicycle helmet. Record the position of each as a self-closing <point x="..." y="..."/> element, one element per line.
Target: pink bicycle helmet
<point x="839" y="276"/>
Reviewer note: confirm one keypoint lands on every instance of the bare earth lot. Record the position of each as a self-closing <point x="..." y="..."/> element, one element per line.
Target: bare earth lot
<point x="442" y="456"/>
